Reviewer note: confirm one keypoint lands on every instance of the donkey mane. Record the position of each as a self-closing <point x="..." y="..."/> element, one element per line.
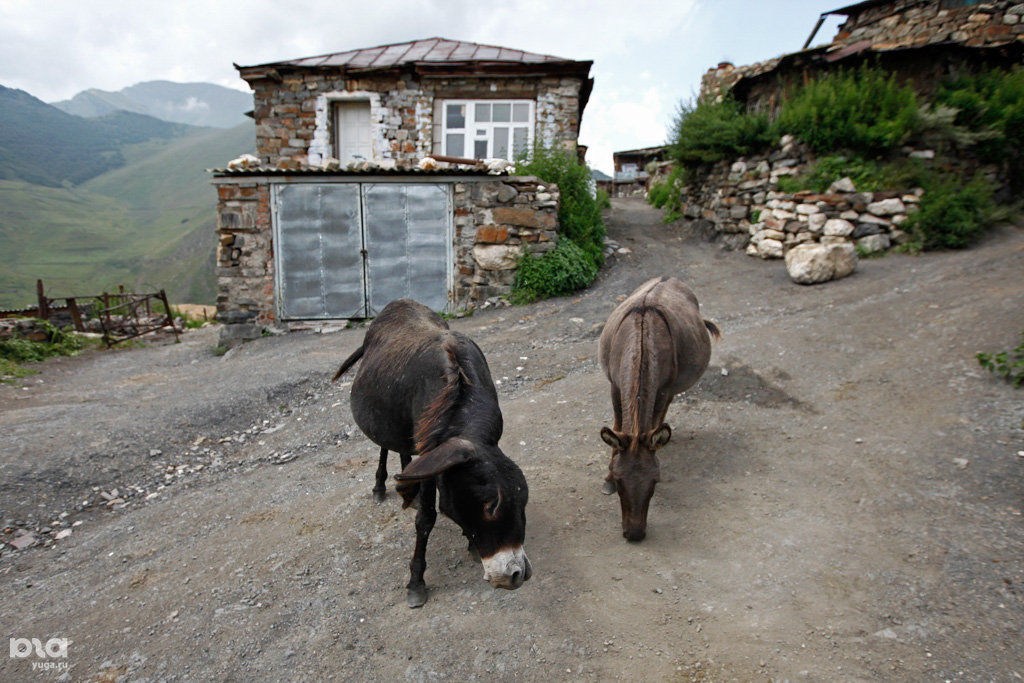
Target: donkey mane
<point x="432" y="427"/>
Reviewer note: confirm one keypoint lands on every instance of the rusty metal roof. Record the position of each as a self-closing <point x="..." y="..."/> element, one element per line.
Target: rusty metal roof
<point x="429" y="50"/>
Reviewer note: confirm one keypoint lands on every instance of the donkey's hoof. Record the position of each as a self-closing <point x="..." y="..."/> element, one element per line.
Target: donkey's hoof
<point x="608" y="488"/>
<point x="379" y="495"/>
<point x="416" y="597"/>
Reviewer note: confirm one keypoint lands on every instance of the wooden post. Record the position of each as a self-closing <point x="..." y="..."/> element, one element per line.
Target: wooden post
<point x="44" y="309"/>
<point x="76" y="315"/>
<point x="170" y="317"/>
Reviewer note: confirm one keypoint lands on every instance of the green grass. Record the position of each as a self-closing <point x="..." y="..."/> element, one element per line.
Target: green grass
<point x="18" y="354"/>
<point x="1007" y="364"/>
<point x="148" y="225"/>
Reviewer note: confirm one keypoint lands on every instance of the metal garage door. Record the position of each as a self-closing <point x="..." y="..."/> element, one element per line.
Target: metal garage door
<point x="344" y="250"/>
<point x="406" y="244"/>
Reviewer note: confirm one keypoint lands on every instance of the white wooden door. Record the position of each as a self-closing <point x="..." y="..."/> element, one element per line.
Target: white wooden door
<point x="353" y="132"/>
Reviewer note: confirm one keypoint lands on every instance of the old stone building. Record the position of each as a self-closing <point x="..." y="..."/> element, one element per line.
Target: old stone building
<point x="337" y="215"/>
<point x="924" y="41"/>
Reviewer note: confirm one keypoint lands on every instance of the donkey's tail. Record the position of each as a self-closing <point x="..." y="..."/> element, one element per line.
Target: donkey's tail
<point x="713" y="330"/>
<point x="349" y="362"/>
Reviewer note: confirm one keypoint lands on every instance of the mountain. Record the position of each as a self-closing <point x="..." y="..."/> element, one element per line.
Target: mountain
<point x="43" y="145"/>
<point x="149" y="224"/>
<point x="197" y="104"/>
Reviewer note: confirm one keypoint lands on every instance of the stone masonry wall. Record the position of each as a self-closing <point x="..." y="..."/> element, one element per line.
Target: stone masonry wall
<point x="496" y="219"/>
<point x="889" y="26"/>
<point x="905" y="23"/>
<point x="294" y="123"/>
<point x="741" y="203"/>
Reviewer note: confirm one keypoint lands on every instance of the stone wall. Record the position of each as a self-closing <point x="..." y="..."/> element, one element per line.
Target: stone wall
<point x="911" y="23"/>
<point x="294" y="121"/>
<point x="886" y="29"/>
<point x="496" y="219"/>
<point x="740" y="202"/>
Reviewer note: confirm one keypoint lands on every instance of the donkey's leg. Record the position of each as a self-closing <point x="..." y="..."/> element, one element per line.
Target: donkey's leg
<point x="408" y="491"/>
<point x="379" y="491"/>
<point x="608" y="488"/>
<point x="425" y="518"/>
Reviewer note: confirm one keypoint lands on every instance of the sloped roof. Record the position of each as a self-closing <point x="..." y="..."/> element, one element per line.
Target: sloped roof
<point x="427" y="51"/>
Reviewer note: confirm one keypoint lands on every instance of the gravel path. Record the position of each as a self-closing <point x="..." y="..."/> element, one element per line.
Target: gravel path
<point x="841" y="499"/>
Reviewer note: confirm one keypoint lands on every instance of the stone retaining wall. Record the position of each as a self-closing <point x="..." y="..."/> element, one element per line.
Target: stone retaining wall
<point x="496" y="219"/>
<point x="740" y="202"/>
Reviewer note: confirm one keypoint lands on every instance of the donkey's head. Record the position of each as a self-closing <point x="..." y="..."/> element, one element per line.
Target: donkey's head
<point x="634" y="472"/>
<point x="485" y="493"/>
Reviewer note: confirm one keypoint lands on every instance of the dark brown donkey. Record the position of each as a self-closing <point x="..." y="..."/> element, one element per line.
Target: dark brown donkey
<point x="423" y="389"/>
<point x="654" y="346"/>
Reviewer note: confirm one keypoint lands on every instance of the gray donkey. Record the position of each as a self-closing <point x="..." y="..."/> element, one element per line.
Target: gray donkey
<point x="655" y="345"/>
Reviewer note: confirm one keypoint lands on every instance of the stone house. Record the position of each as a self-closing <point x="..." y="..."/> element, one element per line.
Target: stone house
<point x="924" y="41"/>
<point x="337" y="215"/>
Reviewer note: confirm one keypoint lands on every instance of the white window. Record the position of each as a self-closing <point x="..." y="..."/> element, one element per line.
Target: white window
<point x="487" y="129"/>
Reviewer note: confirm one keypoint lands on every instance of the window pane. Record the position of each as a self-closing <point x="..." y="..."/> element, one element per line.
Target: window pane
<point x="500" y="141"/>
<point x="502" y="112"/>
<point x="454" y="145"/>
<point x="480" y="149"/>
<point x="519" y="137"/>
<point x="483" y="113"/>
<point x="521" y="112"/>
<point x="480" y="132"/>
<point x="456" y="116"/>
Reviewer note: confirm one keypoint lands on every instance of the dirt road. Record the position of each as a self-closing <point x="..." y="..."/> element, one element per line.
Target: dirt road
<point x="842" y="497"/>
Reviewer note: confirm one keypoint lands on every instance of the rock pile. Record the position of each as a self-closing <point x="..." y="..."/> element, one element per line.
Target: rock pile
<point x="840" y="216"/>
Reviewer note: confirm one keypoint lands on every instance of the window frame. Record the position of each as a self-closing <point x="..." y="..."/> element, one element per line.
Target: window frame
<point x="471" y="126"/>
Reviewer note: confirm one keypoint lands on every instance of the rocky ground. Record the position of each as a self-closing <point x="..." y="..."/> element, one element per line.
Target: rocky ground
<point x="842" y="497"/>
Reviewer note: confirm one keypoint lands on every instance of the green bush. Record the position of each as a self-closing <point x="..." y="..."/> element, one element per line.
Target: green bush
<point x="865" y="111"/>
<point x="1008" y="364"/>
<point x="579" y="213"/>
<point x="17" y="350"/>
<point x="573" y="264"/>
<point x="952" y="214"/>
<point x="867" y="175"/>
<point x="563" y="270"/>
<point x="604" y="201"/>
<point x="704" y="132"/>
<point x="991" y="103"/>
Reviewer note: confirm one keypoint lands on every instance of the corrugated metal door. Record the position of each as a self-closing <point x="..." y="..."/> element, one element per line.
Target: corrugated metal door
<point x="319" y="251"/>
<point x="344" y="250"/>
<point x="406" y="237"/>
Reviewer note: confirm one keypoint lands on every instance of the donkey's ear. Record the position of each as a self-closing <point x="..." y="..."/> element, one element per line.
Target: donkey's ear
<point x="432" y="463"/>
<point x="612" y="439"/>
<point x="657" y="438"/>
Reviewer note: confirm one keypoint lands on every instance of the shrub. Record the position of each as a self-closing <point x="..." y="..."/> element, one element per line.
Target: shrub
<point x="704" y="132"/>
<point x="863" y="111"/>
<point x="991" y="103"/>
<point x="579" y="214"/>
<point x="1008" y="364"/>
<point x="867" y="175"/>
<point x="604" y="201"/>
<point x="563" y="270"/>
<point x="952" y="214"/>
<point x="17" y="350"/>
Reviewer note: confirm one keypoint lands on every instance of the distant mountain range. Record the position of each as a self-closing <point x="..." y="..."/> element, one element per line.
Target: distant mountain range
<point x="88" y="203"/>
<point x="197" y="104"/>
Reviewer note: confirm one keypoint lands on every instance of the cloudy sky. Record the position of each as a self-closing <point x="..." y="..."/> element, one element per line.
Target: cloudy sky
<point x="647" y="55"/>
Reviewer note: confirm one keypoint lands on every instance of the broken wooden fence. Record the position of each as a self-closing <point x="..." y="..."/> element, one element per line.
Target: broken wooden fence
<point x="122" y="315"/>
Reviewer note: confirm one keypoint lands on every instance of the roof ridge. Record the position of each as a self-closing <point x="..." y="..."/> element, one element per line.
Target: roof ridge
<point x="432" y="43"/>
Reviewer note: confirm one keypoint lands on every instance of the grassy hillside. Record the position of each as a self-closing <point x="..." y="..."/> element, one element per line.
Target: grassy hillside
<point x="149" y="224"/>
<point x="42" y="145"/>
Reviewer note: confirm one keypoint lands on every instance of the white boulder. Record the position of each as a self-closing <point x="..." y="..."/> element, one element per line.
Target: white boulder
<point x="811" y="263"/>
